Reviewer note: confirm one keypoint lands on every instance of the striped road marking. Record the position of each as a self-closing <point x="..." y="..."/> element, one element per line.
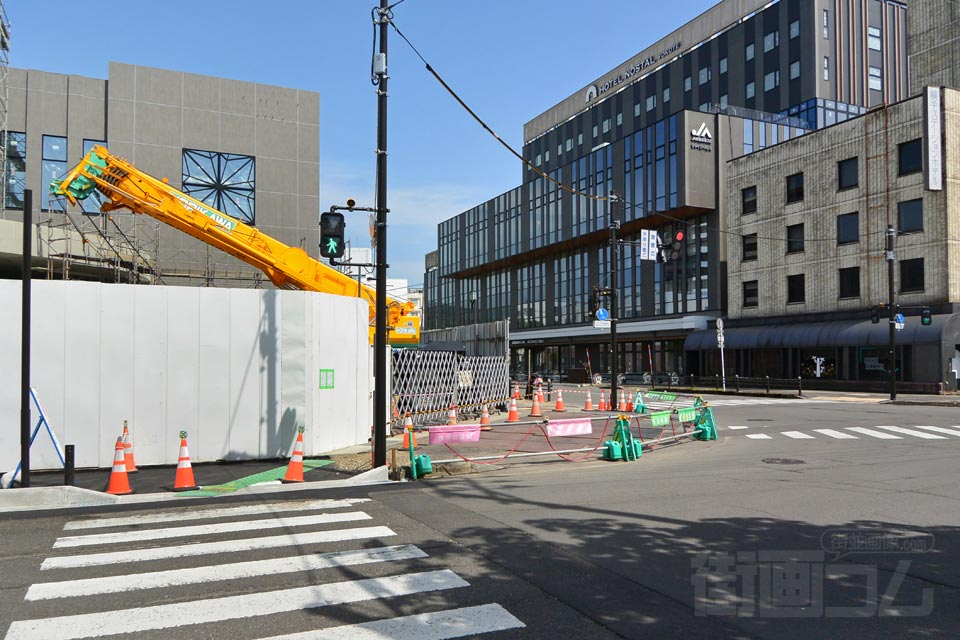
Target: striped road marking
<point x="911" y="432"/>
<point x="167" y="616"/>
<point x="235" y="571"/>
<point x="875" y="434"/>
<point x="439" y="625"/>
<point x="952" y="432"/>
<point x="840" y="435"/>
<point x="222" y="512"/>
<point x="207" y="529"/>
<point x="204" y="548"/>
<point x="797" y="435"/>
<point x="758" y="436"/>
<point x="736" y="427"/>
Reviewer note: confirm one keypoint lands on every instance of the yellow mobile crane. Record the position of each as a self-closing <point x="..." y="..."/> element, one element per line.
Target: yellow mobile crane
<point x="126" y="187"/>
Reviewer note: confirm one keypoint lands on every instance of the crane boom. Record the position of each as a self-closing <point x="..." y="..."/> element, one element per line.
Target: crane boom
<point x="126" y="187"/>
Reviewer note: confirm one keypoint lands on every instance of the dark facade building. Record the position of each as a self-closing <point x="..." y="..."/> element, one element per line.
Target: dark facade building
<point x="657" y="131"/>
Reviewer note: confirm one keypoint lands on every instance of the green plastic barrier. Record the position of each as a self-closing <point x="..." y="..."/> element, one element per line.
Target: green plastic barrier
<point x="638" y="405"/>
<point x="706" y="427"/>
<point x="687" y="414"/>
<point x="656" y="395"/>
<point x="660" y="418"/>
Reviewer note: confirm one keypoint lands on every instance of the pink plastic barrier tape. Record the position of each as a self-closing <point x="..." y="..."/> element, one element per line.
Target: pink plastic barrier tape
<point x="454" y="433"/>
<point x="570" y="427"/>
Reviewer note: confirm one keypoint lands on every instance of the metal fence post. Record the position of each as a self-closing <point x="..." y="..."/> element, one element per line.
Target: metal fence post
<point x="799" y="386"/>
<point x="736" y="378"/>
<point x="549" y="389"/>
<point x="768" y="385"/>
<point x="69" y="478"/>
<point x="716" y="381"/>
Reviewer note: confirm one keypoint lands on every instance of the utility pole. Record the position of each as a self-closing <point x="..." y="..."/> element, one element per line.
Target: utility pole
<point x="25" y="340"/>
<point x="892" y="356"/>
<point x="380" y="331"/>
<point x="614" y="284"/>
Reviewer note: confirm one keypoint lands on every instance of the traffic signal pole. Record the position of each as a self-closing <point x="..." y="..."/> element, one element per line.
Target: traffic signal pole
<point x="892" y="356"/>
<point x="380" y="331"/>
<point x="614" y="284"/>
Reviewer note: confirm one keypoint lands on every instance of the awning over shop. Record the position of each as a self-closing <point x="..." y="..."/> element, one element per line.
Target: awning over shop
<point x="839" y="333"/>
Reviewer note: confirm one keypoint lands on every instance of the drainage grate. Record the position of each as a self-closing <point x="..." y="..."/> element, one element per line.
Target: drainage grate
<point x="782" y="461"/>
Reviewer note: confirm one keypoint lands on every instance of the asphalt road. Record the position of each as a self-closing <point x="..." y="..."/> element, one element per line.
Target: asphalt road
<point x="803" y="533"/>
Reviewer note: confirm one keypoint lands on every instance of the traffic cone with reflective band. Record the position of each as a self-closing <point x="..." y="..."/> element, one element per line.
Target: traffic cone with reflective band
<point x="408" y="433"/>
<point x="128" y="450"/>
<point x="184" y="478"/>
<point x="516" y="390"/>
<point x="484" y="416"/>
<point x="629" y="403"/>
<point x="602" y="405"/>
<point x="559" y="406"/>
<point x="622" y="401"/>
<point x="452" y="414"/>
<point x="535" y="410"/>
<point x="119" y="483"/>
<point x="588" y="406"/>
<point x="514" y="415"/>
<point x="295" y="467"/>
<point x="540" y="391"/>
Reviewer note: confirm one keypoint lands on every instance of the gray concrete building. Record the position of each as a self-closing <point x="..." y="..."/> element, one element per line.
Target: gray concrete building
<point x="933" y="44"/>
<point x="250" y="150"/>
<point x="806" y="249"/>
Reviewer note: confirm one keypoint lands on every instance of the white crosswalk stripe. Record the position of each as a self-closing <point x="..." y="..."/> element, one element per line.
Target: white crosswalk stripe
<point x="758" y="436"/>
<point x="911" y="432"/>
<point x="874" y="433"/>
<point x="882" y="432"/>
<point x="839" y="435"/>
<point x="797" y="435"/>
<point x="300" y="552"/>
<point x="952" y="432"/>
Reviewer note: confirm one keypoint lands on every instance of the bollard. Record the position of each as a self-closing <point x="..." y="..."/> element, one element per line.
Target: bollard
<point x="549" y="389"/>
<point x="736" y="378"/>
<point x="69" y="479"/>
<point x="799" y="386"/>
<point x="768" y="385"/>
<point x="716" y="380"/>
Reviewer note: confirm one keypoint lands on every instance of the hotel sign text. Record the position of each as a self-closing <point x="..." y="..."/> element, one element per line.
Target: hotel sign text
<point x="599" y="89"/>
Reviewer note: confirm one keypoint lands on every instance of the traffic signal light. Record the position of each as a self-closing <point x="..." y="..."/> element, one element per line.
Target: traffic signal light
<point x="925" y="318"/>
<point x="331" y="234"/>
<point x="672" y="250"/>
<point x="874" y="315"/>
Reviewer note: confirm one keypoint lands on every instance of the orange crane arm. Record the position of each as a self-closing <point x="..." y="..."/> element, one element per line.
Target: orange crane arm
<point x="126" y="187"/>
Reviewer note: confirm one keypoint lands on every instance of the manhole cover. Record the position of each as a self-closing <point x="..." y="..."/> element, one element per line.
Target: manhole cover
<point x="782" y="461"/>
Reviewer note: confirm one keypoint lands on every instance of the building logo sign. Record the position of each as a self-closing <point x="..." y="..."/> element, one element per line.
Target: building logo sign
<point x="593" y="91"/>
<point x="701" y="139"/>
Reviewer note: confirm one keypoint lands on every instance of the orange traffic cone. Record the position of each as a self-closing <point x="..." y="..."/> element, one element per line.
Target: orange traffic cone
<point x="516" y="390"/>
<point x="408" y="432"/>
<point x="535" y="410"/>
<point x="622" y="402"/>
<point x="452" y="414"/>
<point x="184" y="478"/>
<point x="540" y="391"/>
<point x="602" y="404"/>
<point x="589" y="404"/>
<point x="119" y="483"/>
<point x="128" y="450"/>
<point x="295" y="466"/>
<point x="484" y="417"/>
<point x="629" y="403"/>
<point x="514" y="415"/>
<point x="559" y="406"/>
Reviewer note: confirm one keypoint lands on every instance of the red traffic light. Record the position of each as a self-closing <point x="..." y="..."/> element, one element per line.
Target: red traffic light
<point x="678" y="236"/>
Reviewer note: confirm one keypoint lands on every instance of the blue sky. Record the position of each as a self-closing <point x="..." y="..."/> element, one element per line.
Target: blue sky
<point x="510" y="60"/>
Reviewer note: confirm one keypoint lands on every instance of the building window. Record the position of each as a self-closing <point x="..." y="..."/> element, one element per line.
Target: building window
<point x="54" y="159"/>
<point x="538" y="160"/>
<point x="910" y="155"/>
<point x="596" y="131"/>
<point x="910" y="216"/>
<point x="91" y="204"/>
<point x="847" y="174"/>
<point x="723" y="65"/>
<point x="225" y="181"/>
<point x="795" y="238"/>
<point x="749" y="198"/>
<point x="795" y="188"/>
<point x="546" y="156"/>
<point x="751" y="90"/>
<point x="723" y="101"/>
<point x="704" y="106"/>
<point x="794" y="70"/>
<point x="873" y="38"/>
<point x="849" y="282"/>
<point x="687" y="83"/>
<point x="826" y="23"/>
<point x="795" y="289"/>
<point x="751" y="296"/>
<point x="848" y="228"/>
<point x="705" y="75"/>
<point x="606" y="125"/>
<point x="876" y="79"/>
<point x="580" y="138"/>
<point x="826" y="68"/>
<point x="748" y="53"/>
<point x="794" y="29"/>
<point x="636" y="110"/>
<point x="666" y="94"/>
<point x="749" y="247"/>
<point x="569" y="144"/>
<point x="771" y="80"/>
<point x="771" y="41"/>
<point x="651" y="102"/>
<point x="911" y="275"/>
<point x="15" y="145"/>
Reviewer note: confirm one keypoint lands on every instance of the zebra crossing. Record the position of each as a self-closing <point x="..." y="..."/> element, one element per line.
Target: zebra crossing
<point x="879" y="432"/>
<point x="116" y="574"/>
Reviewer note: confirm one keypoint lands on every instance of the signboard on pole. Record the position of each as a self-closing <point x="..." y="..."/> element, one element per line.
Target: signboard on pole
<point x="644" y="244"/>
<point x="723" y="364"/>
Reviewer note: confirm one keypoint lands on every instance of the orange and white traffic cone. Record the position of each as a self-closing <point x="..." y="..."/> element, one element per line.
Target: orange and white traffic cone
<point x="602" y="404"/>
<point x="184" y="478"/>
<point x="128" y="450"/>
<point x="295" y="466"/>
<point x="452" y="414"/>
<point x="535" y="410"/>
<point x="622" y="402"/>
<point x="540" y="392"/>
<point x="119" y="483"/>
<point x="588" y="406"/>
<point x="485" y="417"/>
<point x="408" y="432"/>
<point x="559" y="406"/>
<point x="516" y="390"/>
<point x="629" y="403"/>
<point x="514" y="415"/>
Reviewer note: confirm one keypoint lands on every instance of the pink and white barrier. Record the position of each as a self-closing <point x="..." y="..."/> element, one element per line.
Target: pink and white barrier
<point x="454" y="433"/>
<point x="569" y="427"/>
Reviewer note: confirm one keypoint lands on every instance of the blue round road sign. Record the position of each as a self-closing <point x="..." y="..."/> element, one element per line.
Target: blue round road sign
<point x="603" y="314"/>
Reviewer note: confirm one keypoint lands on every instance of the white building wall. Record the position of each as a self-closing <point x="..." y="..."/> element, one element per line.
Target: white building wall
<point x="236" y="368"/>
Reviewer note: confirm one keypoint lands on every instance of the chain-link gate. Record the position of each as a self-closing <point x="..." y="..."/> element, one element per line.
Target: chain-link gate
<point x="426" y="383"/>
